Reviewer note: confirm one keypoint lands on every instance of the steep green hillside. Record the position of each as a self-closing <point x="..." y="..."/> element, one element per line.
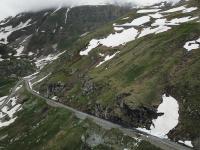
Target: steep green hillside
<point x="116" y="64"/>
<point x="128" y="89"/>
<point x="40" y="126"/>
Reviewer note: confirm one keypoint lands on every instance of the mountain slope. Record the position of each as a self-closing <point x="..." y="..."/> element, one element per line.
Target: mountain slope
<point x="129" y="70"/>
<point x="129" y="88"/>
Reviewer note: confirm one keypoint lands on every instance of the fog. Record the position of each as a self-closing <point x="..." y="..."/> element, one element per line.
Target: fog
<point x="13" y="7"/>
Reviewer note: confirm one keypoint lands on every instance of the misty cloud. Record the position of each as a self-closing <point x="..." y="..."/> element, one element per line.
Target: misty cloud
<point x="13" y="7"/>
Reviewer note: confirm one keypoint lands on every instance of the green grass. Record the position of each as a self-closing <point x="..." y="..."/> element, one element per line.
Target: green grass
<point x="40" y="126"/>
<point x="146" y="68"/>
<point x="5" y="85"/>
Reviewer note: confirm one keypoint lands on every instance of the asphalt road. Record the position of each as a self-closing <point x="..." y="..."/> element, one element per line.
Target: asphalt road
<point x="164" y="144"/>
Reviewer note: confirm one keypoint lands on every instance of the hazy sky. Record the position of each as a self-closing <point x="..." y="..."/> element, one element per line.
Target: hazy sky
<point x="12" y="7"/>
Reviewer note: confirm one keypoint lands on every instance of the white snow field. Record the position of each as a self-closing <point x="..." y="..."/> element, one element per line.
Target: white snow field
<point x="168" y="121"/>
<point x="9" y="112"/>
<point x="107" y="58"/>
<point x="112" y="40"/>
<point x="138" y="21"/>
<point x="138" y="27"/>
<point x="147" y="11"/>
<point x="19" y="51"/>
<point x="41" y="62"/>
<point x="5" y="32"/>
<point x="175" y="9"/>
<point x="191" y="45"/>
<point x="188" y="143"/>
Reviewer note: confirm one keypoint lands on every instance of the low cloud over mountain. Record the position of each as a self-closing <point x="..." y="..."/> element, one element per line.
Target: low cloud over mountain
<point x="12" y="7"/>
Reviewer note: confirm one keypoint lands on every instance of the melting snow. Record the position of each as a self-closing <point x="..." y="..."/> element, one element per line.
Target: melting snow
<point x="19" y="51"/>
<point x="107" y="58"/>
<point x="19" y="87"/>
<point x="159" y="29"/>
<point x="40" y="63"/>
<point x="5" y="32"/>
<point x="9" y="111"/>
<point x="163" y="124"/>
<point x="30" y="54"/>
<point x="112" y="40"/>
<point x="66" y="15"/>
<point x="191" y="45"/>
<point x="181" y="8"/>
<point x="55" y="98"/>
<point x="156" y="15"/>
<point x="118" y="28"/>
<point x="93" y="44"/>
<point x="125" y="18"/>
<point x="137" y="22"/>
<point x="56" y="10"/>
<point x="188" y="143"/>
<point x="175" y="9"/>
<point x="173" y="22"/>
<point x="117" y="39"/>
<point x="191" y="9"/>
<point x="148" y="10"/>
<point x="177" y="21"/>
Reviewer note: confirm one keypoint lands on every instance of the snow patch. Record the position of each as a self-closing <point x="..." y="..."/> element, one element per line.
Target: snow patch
<point x="54" y="98"/>
<point x="5" y="32"/>
<point x="66" y="15"/>
<point x="175" y="9"/>
<point x="149" y="30"/>
<point x="148" y="11"/>
<point x="191" y="45"/>
<point x="56" y="10"/>
<point x="168" y="121"/>
<point x="191" y="9"/>
<point x="112" y="40"/>
<point x="40" y="63"/>
<point x="125" y="18"/>
<point x="138" y="21"/>
<point x="19" y="51"/>
<point x="19" y="87"/>
<point x="93" y="44"/>
<point x="9" y="111"/>
<point x="156" y="15"/>
<point x="118" y="28"/>
<point x="107" y="58"/>
<point x="173" y="22"/>
<point x="30" y="54"/>
<point x="188" y="143"/>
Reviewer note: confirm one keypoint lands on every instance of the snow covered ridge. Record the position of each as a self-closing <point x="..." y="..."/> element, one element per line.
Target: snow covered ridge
<point x="7" y="113"/>
<point x="152" y="21"/>
<point x="7" y="31"/>
<point x="168" y="121"/>
<point x="191" y="45"/>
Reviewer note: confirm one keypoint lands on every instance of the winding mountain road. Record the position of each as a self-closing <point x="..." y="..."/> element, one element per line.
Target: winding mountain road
<point x="159" y="142"/>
